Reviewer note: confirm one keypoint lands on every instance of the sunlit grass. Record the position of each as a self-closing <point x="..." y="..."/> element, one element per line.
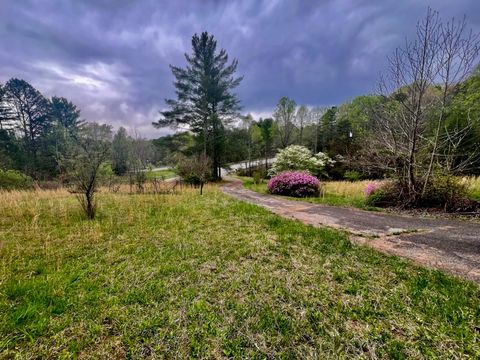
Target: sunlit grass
<point x="352" y="193"/>
<point x="184" y="275"/>
<point x="335" y="193"/>
<point x="353" y="189"/>
<point x="159" y="174"/>
<point x="473" y="183"/>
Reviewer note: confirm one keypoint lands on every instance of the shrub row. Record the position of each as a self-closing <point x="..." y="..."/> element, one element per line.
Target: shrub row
<point x="12" y="179"/>
<point x="442" y="192"/>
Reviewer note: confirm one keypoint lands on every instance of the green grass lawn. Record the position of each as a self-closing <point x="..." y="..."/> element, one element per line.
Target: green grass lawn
<point x="208" y="276"/>
<point x="166" y="174"/>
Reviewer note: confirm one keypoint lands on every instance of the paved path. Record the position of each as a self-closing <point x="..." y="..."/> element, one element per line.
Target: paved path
<point x="450" y="245"/>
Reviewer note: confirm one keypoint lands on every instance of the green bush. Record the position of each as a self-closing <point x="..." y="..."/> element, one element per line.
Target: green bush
<point x="442" y="192"/>
<point x="12" y="179"/>
<point x="191" y="178"/>
<point x="352" y="175"/>
<point x="449" y="193"/>
<point x="258" y="176"/>
<point x="384" y="196"/>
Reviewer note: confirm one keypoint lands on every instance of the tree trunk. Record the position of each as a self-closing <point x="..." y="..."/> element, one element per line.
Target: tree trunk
<point x="90" y="205"/>
<point x="437" y="137"/>
<point x="266" y="160"/>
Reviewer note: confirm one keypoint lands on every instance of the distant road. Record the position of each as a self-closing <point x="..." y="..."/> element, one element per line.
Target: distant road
<point x="159" y="168"/>
<point x="451" y="245"/>
<point x="244" y="164"/>
<point x="232" y="167"/>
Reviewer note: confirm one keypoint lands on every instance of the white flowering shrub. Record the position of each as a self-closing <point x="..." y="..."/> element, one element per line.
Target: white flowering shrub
<point x="296" y="157"/>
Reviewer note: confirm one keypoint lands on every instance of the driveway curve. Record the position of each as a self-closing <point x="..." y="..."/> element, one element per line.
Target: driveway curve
<point x="448" y="245"/>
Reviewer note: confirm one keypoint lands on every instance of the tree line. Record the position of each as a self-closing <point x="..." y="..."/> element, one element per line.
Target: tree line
<point x="208" y="112"/>
<point x="46" y="139"/>
<point x="422" y="123"/>
<point x="35" y="131"/>
<point x="40" y="135"/>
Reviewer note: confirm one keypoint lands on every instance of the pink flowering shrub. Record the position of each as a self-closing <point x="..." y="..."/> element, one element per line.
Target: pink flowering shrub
<point x="370" y="189"/>
<point x="297" y="184"/>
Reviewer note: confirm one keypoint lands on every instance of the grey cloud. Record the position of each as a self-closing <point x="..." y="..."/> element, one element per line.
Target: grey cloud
<point x="111" y="57"/>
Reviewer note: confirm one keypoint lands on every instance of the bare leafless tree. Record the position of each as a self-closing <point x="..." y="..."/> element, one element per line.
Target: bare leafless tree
<point x="456" y="58"/>
<point x="92" y="147"/>
<point x="201" y="168"/>
<point x="422" y="77"/>
<point x="284" y="115"/>
<point x="140" y="151"/>
<point x="195" y="170"/>
<point x="301" y="119"/>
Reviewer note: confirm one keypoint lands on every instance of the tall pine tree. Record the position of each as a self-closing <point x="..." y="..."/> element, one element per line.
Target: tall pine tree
<point x="65" y="126"/>
<point x="120" y="151"/>
<point x="205" y="101"/>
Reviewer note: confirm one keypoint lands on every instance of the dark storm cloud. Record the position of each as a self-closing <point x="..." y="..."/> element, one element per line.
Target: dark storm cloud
<point x="111" y="57"/>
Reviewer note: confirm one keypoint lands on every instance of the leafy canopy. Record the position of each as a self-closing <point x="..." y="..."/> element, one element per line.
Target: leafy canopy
<point x="296" y="157"/>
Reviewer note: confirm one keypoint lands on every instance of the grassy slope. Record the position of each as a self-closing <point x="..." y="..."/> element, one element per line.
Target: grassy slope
<point x="166" y="174"/>
<point x="184" y="275"/>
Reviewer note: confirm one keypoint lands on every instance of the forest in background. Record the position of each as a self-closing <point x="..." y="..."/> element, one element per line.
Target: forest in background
<point x="422" y="128"/>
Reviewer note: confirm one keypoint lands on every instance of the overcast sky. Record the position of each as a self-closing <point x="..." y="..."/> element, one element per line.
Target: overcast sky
<point x="111" y="57"/>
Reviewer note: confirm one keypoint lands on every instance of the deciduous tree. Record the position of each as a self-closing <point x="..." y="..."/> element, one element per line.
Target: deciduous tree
<point x="93" y="145"/>
<point x="284" y="115"/>
<point x="30" y="113"/>
<point x="422" y="77"/>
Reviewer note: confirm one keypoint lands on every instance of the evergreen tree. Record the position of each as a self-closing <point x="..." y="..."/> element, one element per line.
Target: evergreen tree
<point x="266" y="129"/>
<point x="66" y="114"/>
<point x="328" y="132"/>
<point x="11" y="157"/>
<point x="120" y="152"/>
<point x="65" y="127"/>
<point x="205" y="102"/>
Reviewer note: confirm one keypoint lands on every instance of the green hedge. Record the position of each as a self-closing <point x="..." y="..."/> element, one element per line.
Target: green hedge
<point x="12" y="179"/>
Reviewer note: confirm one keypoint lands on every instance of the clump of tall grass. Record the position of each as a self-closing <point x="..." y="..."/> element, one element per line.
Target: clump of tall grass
<point x="12" y="196"/>
<point x="353" y="189"/>
<point x="473" y="186"/>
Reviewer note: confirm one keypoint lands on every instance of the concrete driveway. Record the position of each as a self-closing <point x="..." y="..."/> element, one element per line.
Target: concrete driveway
<point x="449" y="245"/>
